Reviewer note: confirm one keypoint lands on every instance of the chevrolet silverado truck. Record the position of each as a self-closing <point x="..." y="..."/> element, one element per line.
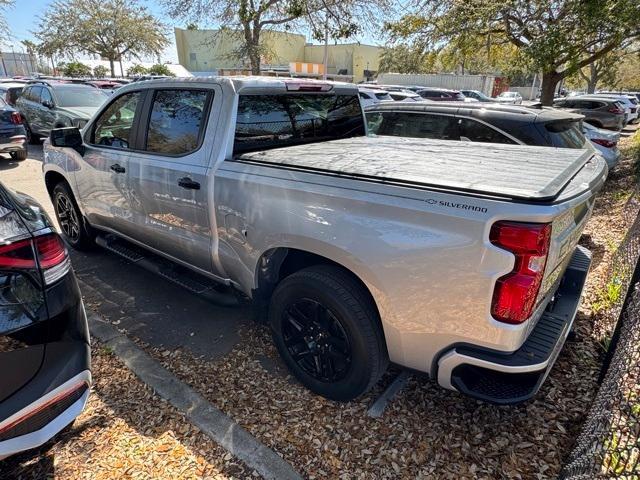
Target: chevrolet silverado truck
<point x="455" y="259"/>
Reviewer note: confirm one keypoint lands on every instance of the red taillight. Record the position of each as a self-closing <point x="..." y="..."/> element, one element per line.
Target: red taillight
<point x="604" y="143"/>
<point x="16" y="118"/>
<point x="616" y="110"/>
<point x="50" y="253"/>
<point x="515" y="294"/>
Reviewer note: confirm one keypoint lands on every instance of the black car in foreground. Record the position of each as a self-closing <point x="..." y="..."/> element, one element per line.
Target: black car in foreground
<point x="13" y="136"/>
<point x="44" y="339"/>
<point x="478" y="122"/>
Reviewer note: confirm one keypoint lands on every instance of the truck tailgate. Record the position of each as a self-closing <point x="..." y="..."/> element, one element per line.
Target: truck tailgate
<point x="513" y="171"/>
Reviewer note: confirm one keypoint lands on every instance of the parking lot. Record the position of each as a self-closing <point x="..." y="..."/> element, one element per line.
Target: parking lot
<point x="224" y="355"/>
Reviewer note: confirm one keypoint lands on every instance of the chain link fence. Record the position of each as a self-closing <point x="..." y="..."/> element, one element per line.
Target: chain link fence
<point x="609" y="443"/>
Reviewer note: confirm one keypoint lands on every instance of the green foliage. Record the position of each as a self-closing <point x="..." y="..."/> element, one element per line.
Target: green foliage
<point x="557" y="38"/>
<point x="100" y="71"/>
<point x="160" y="69"/>
<point x="4" y="28"/>
<point x="112" y="29"/>
<point x="406" y="59"/>
<point x="137" y="71"/>
<point x="75" y="69"/>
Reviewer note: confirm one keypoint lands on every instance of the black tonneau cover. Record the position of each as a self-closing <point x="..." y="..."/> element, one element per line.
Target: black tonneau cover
<point x="514" y="171"/>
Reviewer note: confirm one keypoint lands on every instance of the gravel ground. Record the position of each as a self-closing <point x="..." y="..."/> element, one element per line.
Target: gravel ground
<point x="426" y="432"/>
<point x="126" y="432"/>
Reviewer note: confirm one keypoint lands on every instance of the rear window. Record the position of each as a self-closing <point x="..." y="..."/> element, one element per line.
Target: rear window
<point x="566" y="134"/>
<point x="270" y="121"/>
<point x="80" y="96"/>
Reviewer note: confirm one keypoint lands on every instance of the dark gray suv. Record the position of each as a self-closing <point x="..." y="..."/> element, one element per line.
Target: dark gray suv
<point x="54" y="104"/>
<point x="601" y="112"/>
<point x="478" y="122"/>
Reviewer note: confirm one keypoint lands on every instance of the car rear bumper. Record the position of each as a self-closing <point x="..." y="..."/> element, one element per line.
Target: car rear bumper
<point x="15" y="143"/>
<point x="40" y="421"/>
<point x="507" y="378"/>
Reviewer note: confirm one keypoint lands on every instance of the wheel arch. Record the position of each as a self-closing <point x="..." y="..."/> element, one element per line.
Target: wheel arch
<point x="277" y="263"/>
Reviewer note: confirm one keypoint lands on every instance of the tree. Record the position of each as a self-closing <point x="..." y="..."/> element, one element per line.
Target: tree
<point x="100" y="71"/>
<point x="337" y="19"/>
<point x="31" y="48"/>
<point x="556" y="37"/>
<point x="4" y="28"/>
<point x="112" y="29"/>
<point x="406" y="59"/>
<point x="136" y="71"/>
<point x="75" y="69"/>
<point x="160" y="69"/>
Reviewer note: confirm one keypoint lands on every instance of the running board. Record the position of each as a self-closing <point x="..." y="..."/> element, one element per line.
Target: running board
<point x="194" y="282"/>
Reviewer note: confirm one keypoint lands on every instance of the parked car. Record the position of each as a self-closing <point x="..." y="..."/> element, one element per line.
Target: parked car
<point x="371" y="96"/>
<point x="510" y="97"/>
<point x="601" y="112"/>
<point x="51" y="104"/>
<point x="478" y="95"/>
<point x="10" y="91"/>
<point x="440" y="94"/>
<point x="358" y="249"/>
<point x="108" y="86"/>
<point x="44" y="343"/>
<point x="606" y="142"/>
<point x="630" y="108"/>
<point x="405" y="96"/>
<point x="13" y="136"/>
<point x="478" y="122"/>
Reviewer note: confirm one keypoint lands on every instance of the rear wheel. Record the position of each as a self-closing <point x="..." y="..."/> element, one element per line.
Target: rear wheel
<point x="32" y="138"/>
<point x="71" y="221"/>
<point x="327" y="331"/>
<point x="19" y="155"/>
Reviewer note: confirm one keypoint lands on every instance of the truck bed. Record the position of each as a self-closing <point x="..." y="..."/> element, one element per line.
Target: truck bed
<point x="513" y="171"/>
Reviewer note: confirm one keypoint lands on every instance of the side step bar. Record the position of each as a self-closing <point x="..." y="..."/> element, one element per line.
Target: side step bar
<point x="182" y="276"/>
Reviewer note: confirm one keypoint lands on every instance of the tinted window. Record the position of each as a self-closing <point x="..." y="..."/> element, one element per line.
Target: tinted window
<point x="365" y="96"/>
<point x="565" y="134"/>
<point x="80" y="96"/>
<point x="45" y="96"/>
<point x="176" y="120"/>
<point x="479" y="132"/>
<point x="268" y="121"/>
<point x="429" y="94"/>
<point x="12" y="94"/>
<point x="114" y="126"/>
<point x="34" y="94"/>
<point x="417" y="125"/>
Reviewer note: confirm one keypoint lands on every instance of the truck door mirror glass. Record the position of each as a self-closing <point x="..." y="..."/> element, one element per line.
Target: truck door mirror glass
<point x="68" y="137"/>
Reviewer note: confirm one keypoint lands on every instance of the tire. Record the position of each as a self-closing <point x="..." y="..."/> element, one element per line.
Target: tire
<point x="19" y="155"/>
<point x="32" y="138"/>
<point x="75" y="229"/>
<point x="338" y="353"/>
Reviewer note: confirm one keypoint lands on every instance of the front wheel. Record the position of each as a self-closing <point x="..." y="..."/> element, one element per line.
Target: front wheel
<point x="71" y="222"/>
<point x="19" y="155"/>
<point x="327" y="330"/>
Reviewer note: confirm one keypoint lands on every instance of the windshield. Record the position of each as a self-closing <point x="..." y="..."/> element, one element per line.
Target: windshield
<point x="269" y="121"/>
<point x="80" y="96"/>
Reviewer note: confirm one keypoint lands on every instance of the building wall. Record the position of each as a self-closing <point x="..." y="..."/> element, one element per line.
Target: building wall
<point x="210" y="50"/>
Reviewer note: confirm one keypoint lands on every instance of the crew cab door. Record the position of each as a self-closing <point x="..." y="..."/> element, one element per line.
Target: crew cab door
<point x="168" y="175"/>
<point x="101" y="178"/>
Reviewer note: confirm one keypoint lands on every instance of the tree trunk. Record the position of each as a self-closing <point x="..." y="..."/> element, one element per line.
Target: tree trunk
<point x="113" y="70"/>
<point x="252" y="40"/>
<point x="549" y="82"/>
<point x="593" y="78"/>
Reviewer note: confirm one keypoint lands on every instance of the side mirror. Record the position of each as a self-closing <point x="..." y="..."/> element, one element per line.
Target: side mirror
<point x="68" y="137"/>
<point x="48" y="103"/>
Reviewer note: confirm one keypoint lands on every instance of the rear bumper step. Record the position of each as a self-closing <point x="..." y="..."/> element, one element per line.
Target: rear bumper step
<point x="507" y="378"/>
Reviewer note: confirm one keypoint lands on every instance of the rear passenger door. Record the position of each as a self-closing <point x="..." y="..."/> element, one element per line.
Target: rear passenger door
<point x="168" y="175"/>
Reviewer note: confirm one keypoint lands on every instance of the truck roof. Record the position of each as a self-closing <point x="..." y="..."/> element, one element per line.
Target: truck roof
<point x="513" y="171"/>
<point x="244" y="82"/>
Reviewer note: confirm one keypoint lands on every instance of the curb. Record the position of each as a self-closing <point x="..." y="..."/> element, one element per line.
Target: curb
<point x="214" y="423"/>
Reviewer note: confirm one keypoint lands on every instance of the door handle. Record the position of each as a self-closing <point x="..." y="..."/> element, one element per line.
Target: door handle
<point x="186" y="182"/>
<point x="117" y="168"/>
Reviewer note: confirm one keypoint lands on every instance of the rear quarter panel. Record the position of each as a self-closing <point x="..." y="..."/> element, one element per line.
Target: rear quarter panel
<point x="424" y="255"/>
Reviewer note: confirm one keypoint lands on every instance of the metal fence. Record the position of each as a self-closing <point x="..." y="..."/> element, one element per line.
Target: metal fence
<point x="609" y="443"/>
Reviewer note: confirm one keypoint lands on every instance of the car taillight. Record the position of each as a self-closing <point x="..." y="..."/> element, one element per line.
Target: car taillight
<point x="604" y="143"/>
<point x="16" y="118"/>
<point x="515" y="294"/>
<point x="616" y="110"/>
<point x="47" y="251"/>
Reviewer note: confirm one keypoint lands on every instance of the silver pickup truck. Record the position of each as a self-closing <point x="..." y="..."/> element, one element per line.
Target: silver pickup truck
<point x="455" y="259"/>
